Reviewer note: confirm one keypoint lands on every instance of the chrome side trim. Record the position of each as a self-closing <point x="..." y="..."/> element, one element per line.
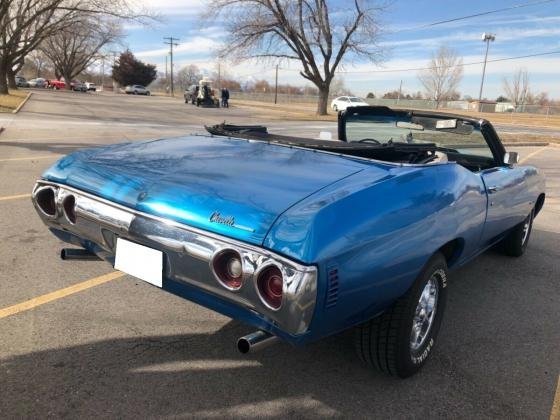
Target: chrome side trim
<point x="188" y="254"/>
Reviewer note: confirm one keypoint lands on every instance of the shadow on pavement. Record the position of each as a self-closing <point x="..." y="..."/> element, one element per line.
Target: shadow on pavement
<point x="497" y="357"/>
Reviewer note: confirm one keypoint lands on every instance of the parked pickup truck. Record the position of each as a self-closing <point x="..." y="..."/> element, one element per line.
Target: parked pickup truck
<point x="302" y="238"/>
<point x="57" y="84"/>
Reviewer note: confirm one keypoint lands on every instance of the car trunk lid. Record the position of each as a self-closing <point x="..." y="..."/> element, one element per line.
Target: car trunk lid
<point x="233" y="187"/>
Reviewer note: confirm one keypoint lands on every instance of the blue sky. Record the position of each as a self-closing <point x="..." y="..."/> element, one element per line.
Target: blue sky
<point x="523" y="31"/>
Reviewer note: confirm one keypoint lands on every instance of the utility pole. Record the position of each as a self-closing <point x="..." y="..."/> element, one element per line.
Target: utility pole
<point x="219" y="74"/>
<point x="166" y="75"/>
<point x="276" y="86"/>
<point x="486" y="37"/>
<point x="170" y="41"/>
<point x="102" y="71"/>
<point x="114" y="61"/>
<point x="400" y="92"/>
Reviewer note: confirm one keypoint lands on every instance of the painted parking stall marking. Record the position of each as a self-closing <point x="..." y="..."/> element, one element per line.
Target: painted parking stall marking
<point x="30" y="158"/>
<point x="58" y="294"/>
<point x="14" y="197"/>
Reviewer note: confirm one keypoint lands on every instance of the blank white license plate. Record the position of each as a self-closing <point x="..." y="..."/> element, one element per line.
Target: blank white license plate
<point x="139" y="261"/>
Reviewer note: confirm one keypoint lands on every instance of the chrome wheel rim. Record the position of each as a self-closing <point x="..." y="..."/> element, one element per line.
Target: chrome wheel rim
<point x="526" y="226"/>
<point x="425" y="313"/>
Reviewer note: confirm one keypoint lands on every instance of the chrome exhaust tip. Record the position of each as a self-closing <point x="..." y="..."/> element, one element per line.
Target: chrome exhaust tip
<point x="77" y="254"/>
<point x="255" y="341"/>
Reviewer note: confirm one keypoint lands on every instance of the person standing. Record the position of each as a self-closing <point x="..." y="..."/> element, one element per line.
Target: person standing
<point x="223" y="97"/>
<point x="226" y="98"/>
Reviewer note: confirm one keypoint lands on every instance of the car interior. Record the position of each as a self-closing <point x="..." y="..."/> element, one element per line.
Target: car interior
<point x="407" y="140"/>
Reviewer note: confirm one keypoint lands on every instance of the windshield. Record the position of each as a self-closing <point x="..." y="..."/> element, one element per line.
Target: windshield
<point x="447" y="133"/>
<point x="356" y="100"/>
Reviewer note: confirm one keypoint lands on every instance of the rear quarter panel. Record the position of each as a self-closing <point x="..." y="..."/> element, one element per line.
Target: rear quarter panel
<point x="378" y="236"/>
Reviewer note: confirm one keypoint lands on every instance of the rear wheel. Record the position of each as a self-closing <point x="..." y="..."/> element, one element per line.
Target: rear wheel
<point x="516" y="241"/>
<point x="335" y="108"/>
<point x="399" y="341"/>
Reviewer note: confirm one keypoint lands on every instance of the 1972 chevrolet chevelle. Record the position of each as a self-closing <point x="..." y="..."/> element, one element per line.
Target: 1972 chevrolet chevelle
<point x="303" y="238"/>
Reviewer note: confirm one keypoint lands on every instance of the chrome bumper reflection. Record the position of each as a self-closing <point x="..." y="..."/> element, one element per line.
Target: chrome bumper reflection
<point x="188" y="253"/>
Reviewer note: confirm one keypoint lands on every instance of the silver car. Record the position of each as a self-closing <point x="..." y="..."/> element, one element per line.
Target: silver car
<point x="38" y="83"/>
<point x="21" y="82"/>
<point x="136" y="90"/>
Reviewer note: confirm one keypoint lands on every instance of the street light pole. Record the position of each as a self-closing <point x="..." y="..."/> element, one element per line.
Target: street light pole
<point x="486" y="37"/>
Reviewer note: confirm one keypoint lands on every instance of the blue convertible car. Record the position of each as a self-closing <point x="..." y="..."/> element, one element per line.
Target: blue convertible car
<point x="303" y="238"/>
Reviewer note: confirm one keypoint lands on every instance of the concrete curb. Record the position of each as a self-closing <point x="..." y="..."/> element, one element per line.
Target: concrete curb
<point x="527" y="144"/>
<point x="15" y="111"/>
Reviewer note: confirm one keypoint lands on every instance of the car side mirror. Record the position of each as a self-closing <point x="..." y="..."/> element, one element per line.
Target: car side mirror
<point x="510" y="158"/>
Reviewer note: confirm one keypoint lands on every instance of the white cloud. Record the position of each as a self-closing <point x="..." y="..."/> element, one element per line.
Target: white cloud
<point x="195" y="45"/>
<point x="171" y="8"/>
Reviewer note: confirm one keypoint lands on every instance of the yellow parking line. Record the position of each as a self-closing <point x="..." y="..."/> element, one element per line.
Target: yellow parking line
<point x="530" y="155"/>
<point x="31" y="158"/>
<point x="555" y="413"/>
<point x="58" y="294"/>
<point x="14" y="197"/>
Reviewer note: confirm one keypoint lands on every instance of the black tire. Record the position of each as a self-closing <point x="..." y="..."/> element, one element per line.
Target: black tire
<point x="385" y="342"/>
<point x="335" y="108"/>
<point x="516" y="241"/>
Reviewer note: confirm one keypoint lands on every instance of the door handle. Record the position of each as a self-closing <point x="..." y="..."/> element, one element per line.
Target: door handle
<point x="492" y="189"/>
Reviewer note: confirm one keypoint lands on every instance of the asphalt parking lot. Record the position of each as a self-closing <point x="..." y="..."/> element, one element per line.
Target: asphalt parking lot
<point x="121" y="348"/>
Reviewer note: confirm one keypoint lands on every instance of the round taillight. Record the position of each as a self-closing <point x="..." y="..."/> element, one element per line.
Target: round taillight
<point x="69" y="206"/>
<point x="46" y="201"/>
<point x="228" y="269"/>
<point x="270" y="284"/>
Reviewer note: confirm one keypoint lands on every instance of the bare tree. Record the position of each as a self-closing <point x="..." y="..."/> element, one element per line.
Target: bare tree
<point x="518" y="90"/>
<point x="24" y="24"/>
<point x="188" y="75"/>
<point x="37" y="61"/>
<point x="308" y="31"/>
<point x="444" y="73"/>
<point x="338" y="87"/>
<point x="76" y="47"/>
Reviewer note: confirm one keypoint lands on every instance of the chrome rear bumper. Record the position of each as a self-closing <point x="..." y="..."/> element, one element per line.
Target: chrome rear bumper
<point x="188" y="253"/>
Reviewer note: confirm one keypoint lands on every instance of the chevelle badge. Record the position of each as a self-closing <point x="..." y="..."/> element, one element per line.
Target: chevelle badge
<point x="216" y="217"/>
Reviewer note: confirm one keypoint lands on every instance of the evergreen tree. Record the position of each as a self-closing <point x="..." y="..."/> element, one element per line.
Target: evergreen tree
<point x="127" y="70"/>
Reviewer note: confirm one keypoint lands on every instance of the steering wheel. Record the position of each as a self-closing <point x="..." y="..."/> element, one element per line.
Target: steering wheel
<point x="369" y="140"/>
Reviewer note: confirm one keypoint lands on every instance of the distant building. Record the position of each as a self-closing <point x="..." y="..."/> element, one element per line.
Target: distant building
<point x="482" y="105"/>
<point x="505" y="107"/>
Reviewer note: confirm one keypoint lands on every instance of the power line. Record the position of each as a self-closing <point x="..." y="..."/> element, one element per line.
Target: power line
<point x="435" y="67"/>
<point x="488" y="12"/>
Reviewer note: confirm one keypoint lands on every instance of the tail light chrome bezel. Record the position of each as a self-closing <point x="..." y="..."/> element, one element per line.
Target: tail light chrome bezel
<point x="37" y="201"/>
<point x="220" y="254"/>
<point x="257" y="276"/>
<point x="69" y="213"/>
